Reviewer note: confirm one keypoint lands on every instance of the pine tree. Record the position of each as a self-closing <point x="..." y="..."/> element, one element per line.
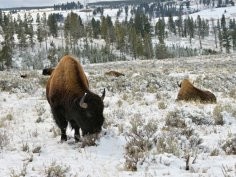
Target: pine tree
<point x="233" y="36"/>
<point x="39" y="32"/>
<point x="6" y="52"/>
<point x="232" y="28"/>
<point x="160" y="30"/>
<point x="74" y="29"/>
<point x="120" y="36"/>
<point x="147" y="45"/>
<point x="104" y="27"/>
<point x="171" y="24"/>
<point x="226" y="39"/>
<point x="52" y="54"/>
<point x="52" y="24"/>
<point x="225" y="35"/>
<point x="199" y="30"/>
<point x="141" y="24"/>
<point x="214" y="31"/>
<point x="95" y="28"/>
<point x="133" y="41"/>
<point x="219" y="35"/>
<point x="190" y="28"/>
<point x="179" y="24"/>
<point x="45" y="29"/>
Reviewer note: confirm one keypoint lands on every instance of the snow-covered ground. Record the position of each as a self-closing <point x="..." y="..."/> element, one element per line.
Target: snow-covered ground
<point x="140" y="103"/>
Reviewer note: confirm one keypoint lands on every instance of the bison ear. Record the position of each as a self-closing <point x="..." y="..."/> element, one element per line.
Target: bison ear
<point x="103" y="94"/>
<point x="82" y="103"/>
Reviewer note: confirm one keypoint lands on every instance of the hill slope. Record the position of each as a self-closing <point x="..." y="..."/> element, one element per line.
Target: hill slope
<point x="145" y="127"/>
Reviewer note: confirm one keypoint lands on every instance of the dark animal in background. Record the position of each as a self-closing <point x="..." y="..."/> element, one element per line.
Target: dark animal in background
<point x="114" y="73"/>
<point x="48" y="71"/>
<point x="188" y="92"/>
<point x="23" y="76"/>
<point x="71" y="100"/>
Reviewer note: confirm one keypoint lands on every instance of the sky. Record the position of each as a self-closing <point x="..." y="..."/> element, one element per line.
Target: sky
<point x="25" y="3"/>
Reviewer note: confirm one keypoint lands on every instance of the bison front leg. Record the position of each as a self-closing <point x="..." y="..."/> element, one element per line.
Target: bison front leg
<point x="76" y="128"/>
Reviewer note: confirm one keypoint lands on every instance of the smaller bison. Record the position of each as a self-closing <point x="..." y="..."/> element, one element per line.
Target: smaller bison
<point x="114" y="73"/>
<point x="188" y="92"/>
<point x="47" y="71"/>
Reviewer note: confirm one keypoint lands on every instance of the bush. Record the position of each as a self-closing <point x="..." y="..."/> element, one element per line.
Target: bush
<point x="217" y="115"/>
<point x="174" y="119"/>
<point x="55" y="170"/>
<point x="139" y="141"/>
<point x="4" y="139"/>
<point x="229" y="145"/>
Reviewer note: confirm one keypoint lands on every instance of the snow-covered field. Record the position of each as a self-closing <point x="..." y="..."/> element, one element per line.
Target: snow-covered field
<point x="145" y="127"/>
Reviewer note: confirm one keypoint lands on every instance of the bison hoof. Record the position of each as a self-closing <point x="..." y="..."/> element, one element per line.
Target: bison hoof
<point x="63" y="138"/>
<point x="77" y="138"/>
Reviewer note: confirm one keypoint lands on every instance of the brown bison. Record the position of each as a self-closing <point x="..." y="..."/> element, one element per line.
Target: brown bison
<point x="114" y="73"/>
<point x="48" y="71"/>
<point x="188" y="92"/>
<point x="71" y="100"/>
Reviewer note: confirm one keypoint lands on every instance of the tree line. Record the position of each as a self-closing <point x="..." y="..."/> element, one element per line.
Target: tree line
<point x="128" y="39"/>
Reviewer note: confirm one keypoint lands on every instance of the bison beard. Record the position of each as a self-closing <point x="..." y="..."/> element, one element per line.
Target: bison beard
<point x="71" y="100"/>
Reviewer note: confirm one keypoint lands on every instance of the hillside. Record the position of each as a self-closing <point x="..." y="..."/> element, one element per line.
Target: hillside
<point x="37" y="38"/>
<point x="145" y="127"/>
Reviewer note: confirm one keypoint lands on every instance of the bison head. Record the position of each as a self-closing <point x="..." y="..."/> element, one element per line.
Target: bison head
<point x="91" y="108"/>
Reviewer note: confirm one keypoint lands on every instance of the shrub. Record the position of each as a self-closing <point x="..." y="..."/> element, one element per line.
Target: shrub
<point x="229" y="145"/>
<point x="232" y="93"/>
<point x="55" y="170"/>
<point x="162" y="105"/>
<point x="89" y="140"/>
<point x="25" y="147"/>
<point x="4" y="139"/>
<point x="174" y="119"/>
<point x="168" y="144"/>
<point x="139" y="141"/>
<point x="217" y="115"/>
<point x="214" y="152"/>
<point x="8" y="117"/>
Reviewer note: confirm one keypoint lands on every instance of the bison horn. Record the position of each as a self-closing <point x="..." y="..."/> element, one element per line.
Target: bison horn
<point x="179" y="84"/>
<point x="82" y="103"/>
<point x="103" y="94"/>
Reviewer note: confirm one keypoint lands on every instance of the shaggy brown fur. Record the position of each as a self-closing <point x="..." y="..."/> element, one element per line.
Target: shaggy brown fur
<point x="114" y="73"/>
<point x="188" y="92"/>
<point x="68" y="80"/>
<point x="67" y="91"/>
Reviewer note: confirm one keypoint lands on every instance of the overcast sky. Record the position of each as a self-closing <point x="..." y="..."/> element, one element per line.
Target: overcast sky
<point x="25" y="3"/>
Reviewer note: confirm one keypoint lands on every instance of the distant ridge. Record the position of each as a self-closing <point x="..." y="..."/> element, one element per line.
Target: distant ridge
<point x="118" y="3"/>
<point x="26" y="8"/>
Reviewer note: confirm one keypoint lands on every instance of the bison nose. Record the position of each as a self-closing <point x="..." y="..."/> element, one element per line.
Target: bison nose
<point x="98" y="130"/>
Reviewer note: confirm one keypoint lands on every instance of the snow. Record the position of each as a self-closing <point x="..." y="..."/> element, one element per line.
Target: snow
<point x="146" y="92"/>
<point x="137" y="95"/>
<point x="216" y="13"/>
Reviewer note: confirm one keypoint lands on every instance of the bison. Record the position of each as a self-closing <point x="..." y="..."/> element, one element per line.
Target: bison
<point x="188" y="92"/>
<point x="114" y="73"/>
<point x="71" y="100"/>
<point x="48" y="71"/>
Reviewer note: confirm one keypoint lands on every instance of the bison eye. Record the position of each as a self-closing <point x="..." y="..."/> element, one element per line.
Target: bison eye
<point x="88" y="114"/>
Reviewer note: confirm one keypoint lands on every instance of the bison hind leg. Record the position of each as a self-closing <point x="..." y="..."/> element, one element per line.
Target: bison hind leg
<point x="76" y="128"/>
<point x="60" y="121"/>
